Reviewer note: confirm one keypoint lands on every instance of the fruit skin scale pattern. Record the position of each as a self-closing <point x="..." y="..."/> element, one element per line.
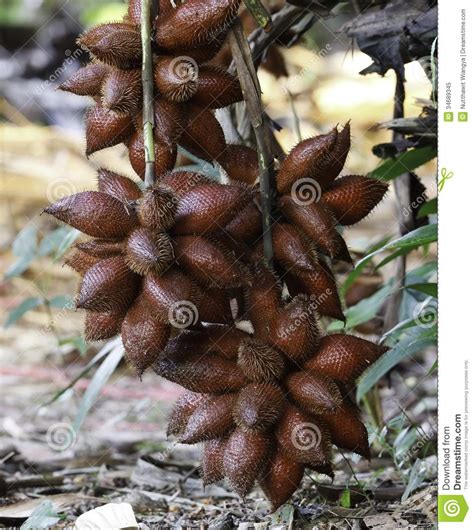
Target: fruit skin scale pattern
<point x="174" y="269"/>
<point x="270" y="404"/>
<point x="188" y="87"/>
<point x="143" y="258"/>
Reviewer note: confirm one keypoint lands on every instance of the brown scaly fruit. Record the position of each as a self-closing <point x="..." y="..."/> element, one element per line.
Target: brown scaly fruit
<point x="311" y="203"/>
<point x="187" y="88"/>
<point x="152" y="262"/>
<point x="195" y="23"/>
<point x="268" y="405"/>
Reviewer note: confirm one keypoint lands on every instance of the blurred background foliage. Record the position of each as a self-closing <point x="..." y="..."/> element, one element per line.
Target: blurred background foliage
<point x="32" y="13"/>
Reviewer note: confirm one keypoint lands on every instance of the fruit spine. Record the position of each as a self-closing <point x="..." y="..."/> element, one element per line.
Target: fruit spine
<point x="160" y="260"/>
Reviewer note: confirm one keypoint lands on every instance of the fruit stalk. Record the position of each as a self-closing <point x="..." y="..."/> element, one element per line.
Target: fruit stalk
<point x="147" y="81"/>
<point x="260" y="13"/>
<point x="251" y="91"/>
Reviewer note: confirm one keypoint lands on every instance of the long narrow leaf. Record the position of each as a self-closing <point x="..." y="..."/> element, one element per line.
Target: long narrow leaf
<point x="364" y="310"/>
<point x="417" y="238"/>
<point x="424" y="272"/>
<point x="96" y="384"/>
<point x="429" y="208"/>
<point x="429" y="288"/>
<point x="415" y="480"/>
<point x="403" y="163"/>
<point x="27" y="305"/>
<point x="66" y="243"/>
<point x="402" y="350"/>
<point x="391" y="257"/>
<point x="53" y="240"/>
<point x="98" y="357"/>
<point x="26" y="241"/>
<point x="397" y="331"/>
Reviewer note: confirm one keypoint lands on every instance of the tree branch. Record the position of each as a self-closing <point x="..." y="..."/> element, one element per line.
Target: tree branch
<point x="252" y="95"/>
<point x="147" y="82"/>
